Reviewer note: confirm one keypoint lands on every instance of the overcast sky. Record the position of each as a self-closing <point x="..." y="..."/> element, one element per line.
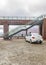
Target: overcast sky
<point x="22" y="7"/>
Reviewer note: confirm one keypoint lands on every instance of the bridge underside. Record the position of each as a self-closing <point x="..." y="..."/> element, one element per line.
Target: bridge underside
<point x="6" y="23"/>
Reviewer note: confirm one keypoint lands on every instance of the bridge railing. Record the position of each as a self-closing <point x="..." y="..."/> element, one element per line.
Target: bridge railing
<point x="17" y="18"/>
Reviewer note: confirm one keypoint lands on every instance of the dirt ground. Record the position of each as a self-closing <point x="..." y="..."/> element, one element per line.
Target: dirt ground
<point x="19" y="52"/>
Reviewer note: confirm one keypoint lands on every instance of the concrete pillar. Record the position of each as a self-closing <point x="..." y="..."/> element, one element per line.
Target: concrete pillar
<point x="44" y="29"/>
<point x="6" y="28"/>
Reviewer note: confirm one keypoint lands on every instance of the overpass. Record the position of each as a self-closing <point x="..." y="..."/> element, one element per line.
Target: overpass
<point x="6" y="21"/>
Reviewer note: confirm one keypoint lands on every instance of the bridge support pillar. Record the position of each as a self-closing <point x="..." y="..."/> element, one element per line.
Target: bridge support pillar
<point x="6" y="29"/>
<point x="44" y="29"/>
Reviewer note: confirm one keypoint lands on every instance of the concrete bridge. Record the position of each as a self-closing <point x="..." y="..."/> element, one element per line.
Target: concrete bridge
<point x="7" y="22"/>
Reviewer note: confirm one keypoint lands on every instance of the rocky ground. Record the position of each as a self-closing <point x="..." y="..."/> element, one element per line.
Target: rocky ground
<point x="19" y="52"/>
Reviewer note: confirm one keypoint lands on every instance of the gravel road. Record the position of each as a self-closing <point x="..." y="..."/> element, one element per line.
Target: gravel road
<point x="19" y="52"/>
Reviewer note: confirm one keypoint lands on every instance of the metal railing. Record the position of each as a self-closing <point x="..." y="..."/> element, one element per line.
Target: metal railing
<point x="16" y="18"/>
<point x="21" y="17"/>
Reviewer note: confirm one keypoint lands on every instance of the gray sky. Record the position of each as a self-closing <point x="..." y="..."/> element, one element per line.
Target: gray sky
<point x="22" y="7"/>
